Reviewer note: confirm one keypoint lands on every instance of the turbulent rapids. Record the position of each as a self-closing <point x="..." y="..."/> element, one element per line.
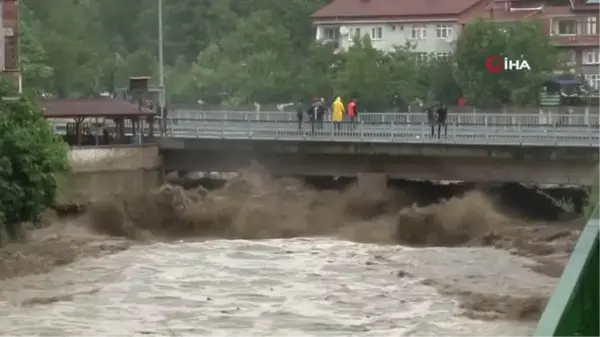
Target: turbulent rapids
<point x="336" y="252"/>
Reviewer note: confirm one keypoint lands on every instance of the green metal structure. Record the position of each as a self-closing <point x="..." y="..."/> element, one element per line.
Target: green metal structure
<point x="573" y="309"/>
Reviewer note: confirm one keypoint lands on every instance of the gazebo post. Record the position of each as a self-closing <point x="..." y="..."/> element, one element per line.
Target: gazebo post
<point x="78" y="122"/>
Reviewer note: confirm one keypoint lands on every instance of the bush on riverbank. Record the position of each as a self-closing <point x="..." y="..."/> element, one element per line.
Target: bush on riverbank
<point x="30" y="157"/>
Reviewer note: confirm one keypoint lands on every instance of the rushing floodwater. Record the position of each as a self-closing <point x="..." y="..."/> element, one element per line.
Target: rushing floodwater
<point x="299" y="287"/>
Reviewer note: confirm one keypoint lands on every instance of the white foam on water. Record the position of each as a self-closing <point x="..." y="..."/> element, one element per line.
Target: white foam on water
<point x="297" y="287"/>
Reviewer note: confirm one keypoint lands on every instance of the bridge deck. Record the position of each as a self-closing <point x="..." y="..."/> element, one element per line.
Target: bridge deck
<point x="388" y="133"/>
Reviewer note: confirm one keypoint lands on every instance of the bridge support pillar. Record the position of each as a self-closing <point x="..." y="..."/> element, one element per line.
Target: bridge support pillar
<point x="373" y="184"/>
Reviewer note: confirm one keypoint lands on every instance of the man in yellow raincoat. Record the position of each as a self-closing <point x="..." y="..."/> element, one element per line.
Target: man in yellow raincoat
<point x="337" y="112"/>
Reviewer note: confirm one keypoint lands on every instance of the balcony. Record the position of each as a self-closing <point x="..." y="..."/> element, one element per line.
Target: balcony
<point x="571" y="32"/>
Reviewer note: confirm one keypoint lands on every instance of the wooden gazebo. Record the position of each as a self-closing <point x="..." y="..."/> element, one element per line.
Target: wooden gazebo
<point x="101" y="121"/>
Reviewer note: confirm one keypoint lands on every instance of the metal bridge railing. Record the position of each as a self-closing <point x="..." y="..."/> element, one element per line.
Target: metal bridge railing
<point x="407" y="118"/>
<point x="389" y="132"/>
<point x="573" y="309"/>
<point x="415" y="131"/>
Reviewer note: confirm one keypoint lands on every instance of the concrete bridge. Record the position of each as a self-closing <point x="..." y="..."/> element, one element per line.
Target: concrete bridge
<point x="500" y="152"/>
<point x="482" y="147"/>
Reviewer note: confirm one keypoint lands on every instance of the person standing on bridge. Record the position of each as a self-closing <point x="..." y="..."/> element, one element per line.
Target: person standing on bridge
<point x="321" y="112"/>
<point x="312" y="113"/>
<point x="337" y="113"/>
<point x="352" y="112"/>
<point x="442" y="115"/>
<point x="437" y="115"/>
<point x="299" y="107"/>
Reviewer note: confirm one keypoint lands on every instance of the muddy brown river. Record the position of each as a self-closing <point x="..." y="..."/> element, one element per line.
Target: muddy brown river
<point x="291" y="287"/>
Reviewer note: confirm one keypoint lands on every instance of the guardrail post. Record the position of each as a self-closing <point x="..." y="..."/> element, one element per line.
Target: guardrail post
<point x="332" y="128"/>
<point x="486" y="132"/>
<point x="249" y="126"/>
<point x="586" y="116"/>
<point x="362" y="135"/>
<point x="392" y="133"/>
<point x="223" y="129"/>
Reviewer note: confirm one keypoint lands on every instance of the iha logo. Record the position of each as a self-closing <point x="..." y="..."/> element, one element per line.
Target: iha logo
<point x="495" y="63"/>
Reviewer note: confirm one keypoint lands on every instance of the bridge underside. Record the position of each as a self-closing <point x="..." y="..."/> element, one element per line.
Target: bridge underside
<point x="394" y="166"/>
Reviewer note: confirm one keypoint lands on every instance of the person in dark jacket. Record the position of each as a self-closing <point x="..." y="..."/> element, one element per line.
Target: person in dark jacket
<point x="321" y="112"/>
<point x="437" y="115"/>
<point x="299" y="107"/>
<point x="312" y="113"/>
<point x="442" y="116"/>
<point x="431" y="119"/>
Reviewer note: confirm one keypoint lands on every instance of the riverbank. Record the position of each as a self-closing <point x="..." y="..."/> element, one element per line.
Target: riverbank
<point x="58" y="244"/>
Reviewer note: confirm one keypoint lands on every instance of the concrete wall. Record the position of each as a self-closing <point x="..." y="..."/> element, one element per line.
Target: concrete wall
<point x="535" y="165"/>
<point x="101" y="172"/>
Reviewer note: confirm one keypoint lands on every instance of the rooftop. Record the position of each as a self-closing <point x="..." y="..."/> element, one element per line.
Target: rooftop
<point x="393" y="8"/>
<point x="90" y="108"/>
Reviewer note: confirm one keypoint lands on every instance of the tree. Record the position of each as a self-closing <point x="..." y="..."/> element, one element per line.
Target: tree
<point x="364" y="67"/>
<point x="441" y="78"/>
<point x="524" y="40"/>
<point x="239" y="52"/>
<point x="34" y="60"/>
<point x="30" y="157"/>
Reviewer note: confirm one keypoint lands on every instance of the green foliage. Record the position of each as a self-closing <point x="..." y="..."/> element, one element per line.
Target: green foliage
<point x="521" y="40"/>
<point x="240" y="52"/>
<point x="593" y="197"/>
<point x="30" y="156"/>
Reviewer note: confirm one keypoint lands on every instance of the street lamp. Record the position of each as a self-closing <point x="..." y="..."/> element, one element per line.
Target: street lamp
<point x="161" y="65"/>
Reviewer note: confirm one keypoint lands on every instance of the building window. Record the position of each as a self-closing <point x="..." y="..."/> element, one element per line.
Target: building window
<point x="444" y="31"/>
<point x="591" y="57"/>
<point x="442" y="55"/>
<point x="591" y="25"/>
<point x="376" y="33"/>
<point x="593" y="80"/>
<point x="331" y="33"/>
<point x="418" y="32"/>
<point x="421" y="57"/>
<point x="567" y="27"/>
<point x="354" y="33"/>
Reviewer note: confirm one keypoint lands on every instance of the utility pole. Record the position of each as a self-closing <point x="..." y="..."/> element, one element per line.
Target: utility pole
<point x="161" y="65"/>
